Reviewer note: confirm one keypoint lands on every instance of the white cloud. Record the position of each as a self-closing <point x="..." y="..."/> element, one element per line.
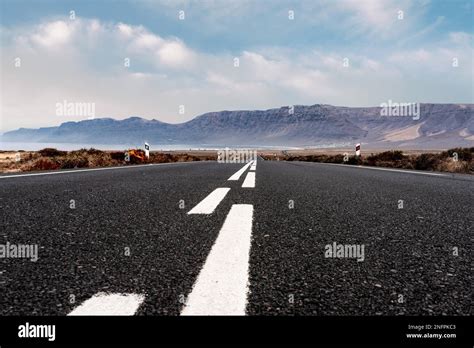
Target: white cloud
<point x="175" y="54"/>
<point x="371" y="13"/>
<point x="148" y="40"/>
<point x="170" y="52"/>
<point x="125" y="30"/>
<point x="53" y="33"/>
<point x="82" y="61"/>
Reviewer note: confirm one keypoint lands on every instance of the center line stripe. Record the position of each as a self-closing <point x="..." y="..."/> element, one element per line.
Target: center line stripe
<point x="208" y="204"/>
<point x="249" y="180"/>
<point x="110" y="304"/>
<point x="237" y="174"/>
<point x="222" y="285"/>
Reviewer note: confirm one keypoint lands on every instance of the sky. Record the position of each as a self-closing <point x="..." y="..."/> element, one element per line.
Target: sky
<point x="172" y="60"/>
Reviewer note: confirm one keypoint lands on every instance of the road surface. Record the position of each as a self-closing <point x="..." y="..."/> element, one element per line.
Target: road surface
<point x="211" y="238"/>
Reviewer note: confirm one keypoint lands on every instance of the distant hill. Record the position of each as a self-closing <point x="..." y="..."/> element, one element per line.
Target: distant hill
<point x="439" y="126"/>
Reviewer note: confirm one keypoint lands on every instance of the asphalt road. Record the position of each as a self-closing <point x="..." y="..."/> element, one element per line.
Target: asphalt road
<point x="131" y="233"/>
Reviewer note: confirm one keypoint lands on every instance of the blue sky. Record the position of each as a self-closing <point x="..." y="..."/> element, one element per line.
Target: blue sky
<point x="190" y="62"/>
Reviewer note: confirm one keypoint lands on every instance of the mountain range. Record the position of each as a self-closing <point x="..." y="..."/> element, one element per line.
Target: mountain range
<point x="438" y="126"/>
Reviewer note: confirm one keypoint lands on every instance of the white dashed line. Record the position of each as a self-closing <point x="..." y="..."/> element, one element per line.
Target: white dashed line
<point x="208" y="204"/>
<point x="254" y="165"/>
<point x="110" y="304"/>
<point x="249" y="181"/>
<point x="222" y="285"/>
<point x="237" y="175"/>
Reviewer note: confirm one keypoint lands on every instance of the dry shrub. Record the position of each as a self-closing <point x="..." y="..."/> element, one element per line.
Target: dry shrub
<point x="463" y="154"/>
<point x="334" y="159"/>
<point x="386" y="156"/>
<point x="356" y="160"/>
<point x="85" y="152"/>
<point x="101" y="159"/>
<point x="50" y="152"/>
<point x="74" y="162"/>
<point x="156" y="157"/>
<point x="41" y="164"/>
<point x="183" y="157"/>
<point x="454" y="166"/>
<point x="117" y="156"/>
<point x="93" y="151"/>
<point x="426" y="161"/>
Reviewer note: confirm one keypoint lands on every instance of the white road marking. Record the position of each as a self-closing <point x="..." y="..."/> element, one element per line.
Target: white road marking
<point x="110" y="304"/>
<point x="222" y="285"/>
<point x="401" y="171"/>
<point x="237" y="174"/>
<point x="249" y="181"/>
<point x="208" y="204"/>
<point x="254" y="165"/>
<point x="93" y="169"/>
<point x="385" y="169"/>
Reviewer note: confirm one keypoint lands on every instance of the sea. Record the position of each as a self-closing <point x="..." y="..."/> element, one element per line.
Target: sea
<point x="17" y="146"/>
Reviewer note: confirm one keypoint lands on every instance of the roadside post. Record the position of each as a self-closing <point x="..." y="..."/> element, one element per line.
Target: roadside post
<point x="147" y="150"/>
<point x="358" y="150"/>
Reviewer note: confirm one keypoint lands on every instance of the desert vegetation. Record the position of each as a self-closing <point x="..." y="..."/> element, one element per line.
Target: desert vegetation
<point x="52" y="159"/>
<point x="456" y="160"/>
